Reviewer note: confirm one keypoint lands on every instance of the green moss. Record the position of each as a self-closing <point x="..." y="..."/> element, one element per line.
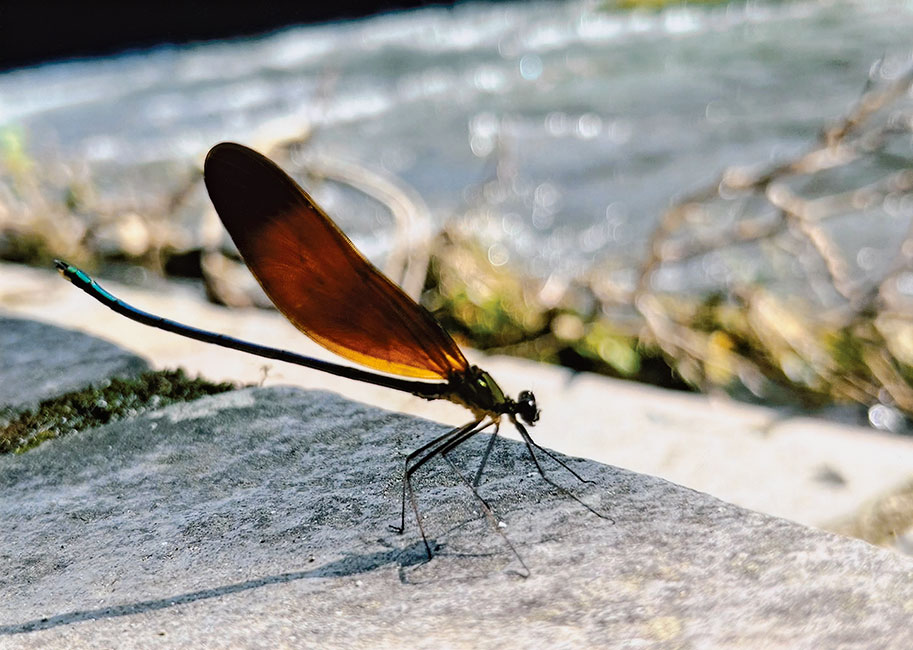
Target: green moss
<point x="116" y="399"/>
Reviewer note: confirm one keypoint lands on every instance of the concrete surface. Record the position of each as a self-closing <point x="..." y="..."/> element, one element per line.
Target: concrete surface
<point x="259" y="519"/>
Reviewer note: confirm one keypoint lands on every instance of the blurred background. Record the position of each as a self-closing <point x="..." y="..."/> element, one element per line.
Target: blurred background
<point x="707" y="196"/>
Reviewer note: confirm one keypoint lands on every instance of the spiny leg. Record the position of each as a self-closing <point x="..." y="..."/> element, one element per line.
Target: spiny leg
<point x="455" y="442"/>
<point x="412" y="455"/>
<point x="488" y="448"/>
<point x="530" y="443"/>
<point x="490" y="515"/>
<point x="430" y="450"/>
<point x="458" y="437"/>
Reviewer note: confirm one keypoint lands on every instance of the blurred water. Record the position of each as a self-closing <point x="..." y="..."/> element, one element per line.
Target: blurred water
<point x="593" y="120"/>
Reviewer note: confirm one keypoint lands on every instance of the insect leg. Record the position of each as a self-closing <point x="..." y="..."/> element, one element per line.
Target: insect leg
<point x="456" y="442"/>
<point x="424" y="454"/>
<point x="490" y="515"/>
<point x="530" y="443"/>
<point x="491" y="445"/>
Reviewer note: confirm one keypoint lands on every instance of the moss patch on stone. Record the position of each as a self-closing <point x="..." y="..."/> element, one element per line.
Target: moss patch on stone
<point x="115" y="399"/>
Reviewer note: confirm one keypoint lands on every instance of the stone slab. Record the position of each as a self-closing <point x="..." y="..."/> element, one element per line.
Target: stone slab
<point x="259" y="519"/>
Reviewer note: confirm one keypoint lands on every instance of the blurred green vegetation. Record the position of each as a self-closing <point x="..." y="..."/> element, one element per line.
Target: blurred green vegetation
<point x="744" y="336"/>
<point x="503" y="313"/>
<point x="755" y="346"/>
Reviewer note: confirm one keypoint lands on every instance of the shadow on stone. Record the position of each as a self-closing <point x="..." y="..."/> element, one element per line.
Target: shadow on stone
<point x="250" y="489"/>
<point x="348" y="566"/>
<point x="42" y="361"/>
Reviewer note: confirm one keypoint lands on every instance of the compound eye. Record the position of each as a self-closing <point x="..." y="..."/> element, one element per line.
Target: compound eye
<point x="526" y="407"/>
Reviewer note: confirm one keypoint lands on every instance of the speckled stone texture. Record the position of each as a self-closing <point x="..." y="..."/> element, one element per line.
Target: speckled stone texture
<point x="260" y="519"/>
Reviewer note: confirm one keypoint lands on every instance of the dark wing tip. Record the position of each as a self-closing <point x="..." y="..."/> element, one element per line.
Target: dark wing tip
<point x="247" y="188"/>
<point x="227" y="154"/>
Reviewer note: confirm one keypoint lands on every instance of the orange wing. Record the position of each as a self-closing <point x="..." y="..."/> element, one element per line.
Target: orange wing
<point x="316" y="277"/>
